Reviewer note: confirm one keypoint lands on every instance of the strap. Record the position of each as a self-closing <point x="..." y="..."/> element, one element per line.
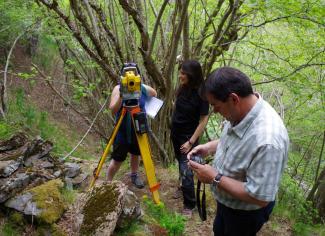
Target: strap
<point x="201" y="205"/>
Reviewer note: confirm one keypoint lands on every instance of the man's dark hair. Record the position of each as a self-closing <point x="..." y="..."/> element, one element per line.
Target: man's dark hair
<point x="226" y="80"/>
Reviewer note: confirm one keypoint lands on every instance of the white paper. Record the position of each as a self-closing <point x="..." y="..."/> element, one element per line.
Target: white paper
<point x="152" y="106"/>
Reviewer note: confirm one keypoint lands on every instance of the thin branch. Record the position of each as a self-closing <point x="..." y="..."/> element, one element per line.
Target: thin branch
<point x="176" y="38"/>
<point x="154" y="33"/>
<point x="267" y="21"/>
<point x="54" y="6"/>
<point x="3" y="89"/>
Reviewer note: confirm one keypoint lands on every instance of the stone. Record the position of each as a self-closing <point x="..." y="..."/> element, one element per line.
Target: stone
<point x="14" y="142"/>
<point x="71" y="169"/>
<point x="8" y="167"/>
<point x="14" y="184"/>
<point x="98" y="211"/>
<point x="79" y="180"/>
<point x="45" y="202"/>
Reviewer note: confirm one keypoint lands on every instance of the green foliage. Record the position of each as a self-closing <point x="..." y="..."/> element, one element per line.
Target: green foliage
<point x="130" y="230"/>
<point x="17" y="218"/>
<point x="5" y="130"/>
<point x="24" y="116"/>
<point x="8" y="229"/>
<point x="68" y="195"/>
<point x="47" y="51"/>
<point x="173" y="222"/>
<point x="292" y="199"/>
<point x="293" y="205"/>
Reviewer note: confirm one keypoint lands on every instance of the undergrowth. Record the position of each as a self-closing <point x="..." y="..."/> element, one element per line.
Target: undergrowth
<point x="173" y="222"/>
<point x="22" y="116"/>
<point x="292" y="205"/>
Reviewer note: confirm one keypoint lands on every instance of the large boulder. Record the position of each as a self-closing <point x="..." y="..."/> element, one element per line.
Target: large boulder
<point x="99" y="210"/>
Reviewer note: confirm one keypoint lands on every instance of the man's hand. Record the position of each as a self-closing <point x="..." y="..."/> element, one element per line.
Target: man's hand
<point x="201" y="150"/>
<point x="205" y="173"/>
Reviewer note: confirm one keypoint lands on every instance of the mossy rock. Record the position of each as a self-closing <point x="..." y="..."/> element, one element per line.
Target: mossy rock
<point x="102" y="209"/>
<point x="49" y="199"/>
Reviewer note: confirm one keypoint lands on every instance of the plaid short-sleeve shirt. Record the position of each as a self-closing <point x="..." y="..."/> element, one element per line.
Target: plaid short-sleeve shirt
<point x="255" y="152"/>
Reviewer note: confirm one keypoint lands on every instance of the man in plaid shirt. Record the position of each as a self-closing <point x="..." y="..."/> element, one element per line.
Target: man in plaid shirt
<point x="250" y="155"/>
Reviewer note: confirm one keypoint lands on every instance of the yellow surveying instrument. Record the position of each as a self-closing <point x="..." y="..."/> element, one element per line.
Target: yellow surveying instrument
<point x="130" y="91"/>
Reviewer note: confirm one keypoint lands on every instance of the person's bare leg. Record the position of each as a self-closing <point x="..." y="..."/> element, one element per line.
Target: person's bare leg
<point x="135" y="178"/>
<point x="113" y="167"/>
<point x="134" y="163"/>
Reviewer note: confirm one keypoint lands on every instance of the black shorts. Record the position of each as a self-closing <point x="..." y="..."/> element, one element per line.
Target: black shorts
<point x="120" y="151"/>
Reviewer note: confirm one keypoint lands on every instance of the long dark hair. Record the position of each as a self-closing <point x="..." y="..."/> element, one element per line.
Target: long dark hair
<point x="193" y="70"/>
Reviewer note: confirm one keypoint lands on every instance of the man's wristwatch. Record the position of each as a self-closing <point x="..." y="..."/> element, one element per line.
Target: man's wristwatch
<point x="217" y="180"/>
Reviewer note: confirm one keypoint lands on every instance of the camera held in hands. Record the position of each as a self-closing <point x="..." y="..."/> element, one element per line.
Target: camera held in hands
<point x="198" y="159"/>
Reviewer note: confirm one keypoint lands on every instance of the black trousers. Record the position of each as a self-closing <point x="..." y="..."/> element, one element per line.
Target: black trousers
<point x="186" y="174"/>
<point x="232" y="222"/>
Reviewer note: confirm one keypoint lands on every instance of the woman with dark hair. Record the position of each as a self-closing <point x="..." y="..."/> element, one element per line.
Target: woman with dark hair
<point x="190" y="116"/>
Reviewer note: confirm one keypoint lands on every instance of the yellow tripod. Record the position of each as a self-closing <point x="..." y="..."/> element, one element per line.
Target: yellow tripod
<point x="144" y="147"/>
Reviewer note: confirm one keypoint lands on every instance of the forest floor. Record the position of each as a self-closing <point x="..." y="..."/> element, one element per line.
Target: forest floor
<point x="45" y="99"/>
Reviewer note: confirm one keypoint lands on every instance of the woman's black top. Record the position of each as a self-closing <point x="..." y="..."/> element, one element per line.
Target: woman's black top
<point x="188" y="109"/>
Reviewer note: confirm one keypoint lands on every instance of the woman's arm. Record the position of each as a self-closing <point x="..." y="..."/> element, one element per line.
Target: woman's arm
<point x="150" y="91"/>
<point x="116" y="100"/>
<point x="199" y="129"/>
<point x="186" y="147"/>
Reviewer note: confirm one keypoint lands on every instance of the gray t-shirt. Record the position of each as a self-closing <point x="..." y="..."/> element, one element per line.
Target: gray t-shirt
<point x="255" y="152"/>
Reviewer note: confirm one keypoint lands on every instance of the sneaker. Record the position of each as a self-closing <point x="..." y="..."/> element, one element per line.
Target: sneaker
<point x="178" y="193"/>
<point x="137" y="181"/>
<point x="187" y="212"/>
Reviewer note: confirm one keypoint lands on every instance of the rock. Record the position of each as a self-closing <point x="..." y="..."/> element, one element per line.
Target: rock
<point x="57" y="173"/>
<point x="23" y="203"/>
<point x="36" y="150"/>
<point x="39" y="163"/>
<point x="14" y="154"/>
<point x="71" y="169"/>
<point x="79" y="180"/>
<point x="131" y="210"/>
<point x="8" y="167"/>
<point x="15" y="184"/>
<point x="98" y="211"/>
<point x="14" y="142"/>
<point x="45" y="202"/>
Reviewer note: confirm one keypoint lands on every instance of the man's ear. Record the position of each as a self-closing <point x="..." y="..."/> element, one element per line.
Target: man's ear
<point x="234" y="97"/>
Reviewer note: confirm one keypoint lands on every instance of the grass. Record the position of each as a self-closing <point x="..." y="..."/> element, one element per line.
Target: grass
<point x="8" y="229"/>
<point x="23" y="116"/>
<point x="173" y="222"/>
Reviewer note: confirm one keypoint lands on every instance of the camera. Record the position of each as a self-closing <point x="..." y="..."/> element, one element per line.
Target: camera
<point x="130" y="84"/>
<point x="198" y="159"/>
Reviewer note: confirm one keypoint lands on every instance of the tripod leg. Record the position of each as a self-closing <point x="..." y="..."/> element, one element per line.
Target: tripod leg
<point x="108" y="146"/>
<point x="148" y="165"/>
